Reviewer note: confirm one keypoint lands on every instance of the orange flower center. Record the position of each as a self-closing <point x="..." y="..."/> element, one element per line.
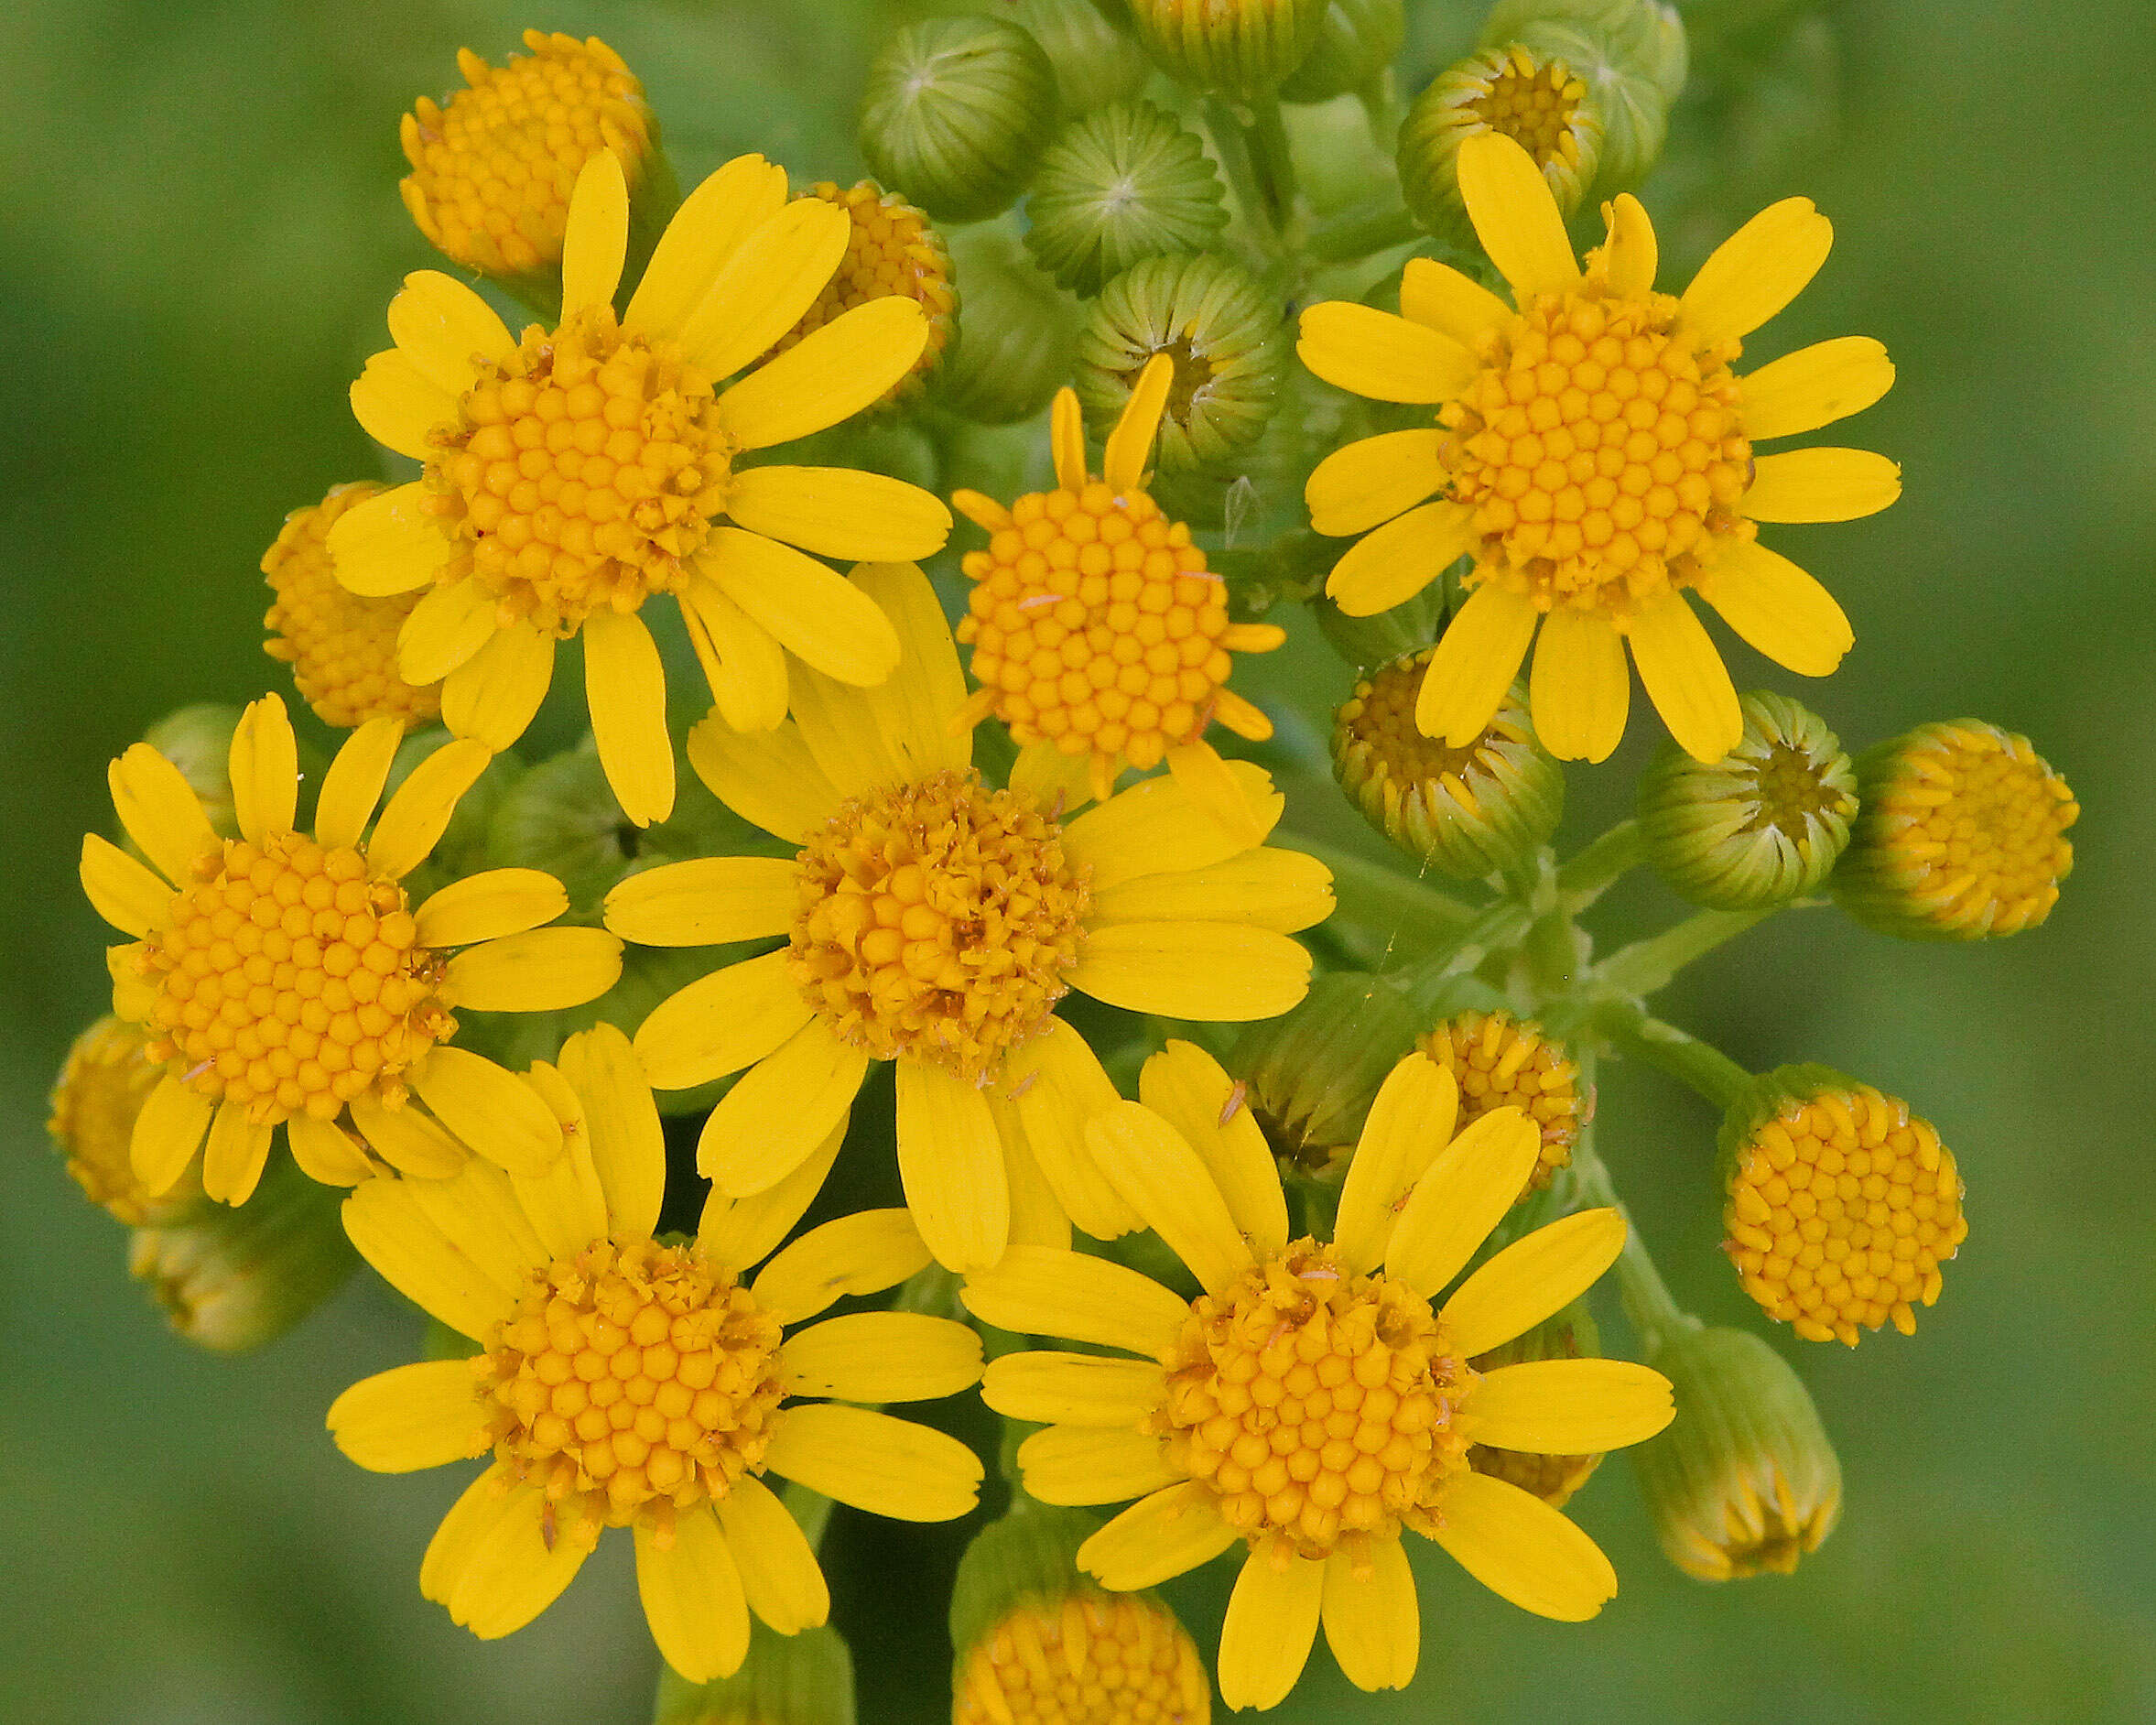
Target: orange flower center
<point x="1535" y="102"/>
<point x="1091" y="1659"/>
<point x="890" y="250"/>
<point x="289" y="979"/>
<point x="1500" y="1063"/>
<point x="1376" y="728"/>
<point x="631" y="1379"/>
<point x="936" y="921"/>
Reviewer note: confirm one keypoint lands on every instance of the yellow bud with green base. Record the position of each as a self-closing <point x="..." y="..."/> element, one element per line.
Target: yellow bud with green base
<point x="1239" y="48"/>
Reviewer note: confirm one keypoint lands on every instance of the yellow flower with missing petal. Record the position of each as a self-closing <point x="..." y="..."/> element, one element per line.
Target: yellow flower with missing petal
<point x="935" y="920"/>
<point x="1314" y="1403"/>
<point x="622" y="1383"/>
<point x="574" y="473"/>
<point x="1594" y="456"/>
<point x="284" y="980"/>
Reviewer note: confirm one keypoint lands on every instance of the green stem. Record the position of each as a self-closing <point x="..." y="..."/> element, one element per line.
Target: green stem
<point x="1427" y="982"/>
<point x="1683" y="1055"/>
<point x="1274" y="163"/>
<point x="1385" y="898"/>
<point x="1238" y="164"/>
<point x="1380" y="106"/>
<point x="1601" y="865"/>
<point x="1649" y="1304"/>
<point x="1367" y="229"/>
<point x="1646" y="965"/>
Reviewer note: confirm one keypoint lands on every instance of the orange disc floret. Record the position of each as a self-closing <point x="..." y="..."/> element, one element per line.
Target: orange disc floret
<point x="342" y="647"/>
<point x="493" y="171"/>
<point x="289" y="979"/>
<point x="581" y="475"/>
<point x="1317" y="1404"/>
<point x="1090" y="1658"/>
<point x="938" y="920"/>
<point x="1503" y="1062"/>
<point x="632" y="1380"/>
<point x="892" y="249"/>
<point x="1841" y="1209"/>
<point x="1535" y="102"/>
<point x="107" y="1077"/>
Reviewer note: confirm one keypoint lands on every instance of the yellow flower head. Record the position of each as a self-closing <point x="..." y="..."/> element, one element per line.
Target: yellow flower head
<point x="1090" y="1658"/>
<point x="622" y="1383"/>
<point x="1842" y="1206"/>
<point x="892" y="249"/>
<point x="1096" y="627"/>
<point x="1536" y="101"/>
<point x="1960" y="835"/>
<point x="573" y="473"/>
<point x="492" y="173"/>
<point x="1593" y="455"/>
<point x="283" y="979"/>
<point x="1314" y="1403"/>
<point x="95" y="1101"/>
<point x="342" y="647"/>
<point x="933" y="919"/>
<point x="1500" y="1061"/>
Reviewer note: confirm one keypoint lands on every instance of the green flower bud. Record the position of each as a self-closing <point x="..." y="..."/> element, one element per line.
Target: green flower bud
<point x="800" y="1679"/>
<point x="1121" y="185"/>
<point x="561" y="817"/>
<point x="1095" y="63"/>
<point x="1355" y="41"/>
<point x="1535" y="99"/>
<point x="1762" y="825"/>
<point x="1242" y="49"/>
<point x="231" y="1279"/>
<point x="1743" y="1480"/>
<point x="956" y="113"/>
<point x="101" y="1089"/>
<point x="1310" y="1076"/>
<point x="1960" y="835"/>
<point x="1466" y="812"/>
<point x="1570" y="1335"/>
<point x="198" y="740"/>
<point x="1363" y="641"/>
<point x="1223" y="334"/>
<point x="1631" y="55"/>
<point x="1017" y="334"/>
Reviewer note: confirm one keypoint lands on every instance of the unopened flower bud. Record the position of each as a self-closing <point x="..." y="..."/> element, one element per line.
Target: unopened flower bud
<point x="561" y="818"/>
<point x="1095" y="63"/>
<point x="1535" y="99"/>
<point x="1234" y="47"/>
<point x="1121" y="185"/>
<point x="1221" y="330"/>
<point x="1960" y="835"/>
<point x="102" y="1087"/>
<point x="1500" y="1061"/>
<point x="1631" y="55"/>
<point x="1570" y="1335"/>
<point x="198" y="740"/>
<point x="1841" y="1204"/>
<point x="1466" y="812"/>
<point x="1743" y="1480"/>
<point x="805" y="1678"/>
<point x="1357" y="40"/>
<point x="1017" y="334"/>
<point x="1762" y="825"/>
<point x="1310" y="1076"/>
<point x="956" y="113"/>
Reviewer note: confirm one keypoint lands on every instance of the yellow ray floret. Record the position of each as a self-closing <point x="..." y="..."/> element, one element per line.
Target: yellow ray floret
<point x="1594" y="456"/>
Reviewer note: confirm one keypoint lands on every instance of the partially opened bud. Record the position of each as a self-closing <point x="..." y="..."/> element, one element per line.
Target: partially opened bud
<point x="1570" y="1335"/>
<point x="1095" y="63"/>
<point x="1235" y="47"/>
<point x="1631" y="55"/>
<point x="956" y="113"/>
<point x="102" y="1087"/>
<point x="1310" y="1076"/>
<point x="805" y="1678"/>
<point x="1743" y="1480"/>
<point x="1500" y="1061"/>
<point x="1355" y="41"/>
<point x="1534" y="99"/>
<point x="1120" y="186"/>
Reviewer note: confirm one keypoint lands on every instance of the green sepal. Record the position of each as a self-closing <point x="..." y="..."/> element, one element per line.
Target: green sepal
<point x="802" y="1679"/>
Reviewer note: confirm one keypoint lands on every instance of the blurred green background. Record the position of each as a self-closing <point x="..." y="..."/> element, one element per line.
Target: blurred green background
<point x="199" y="232"/>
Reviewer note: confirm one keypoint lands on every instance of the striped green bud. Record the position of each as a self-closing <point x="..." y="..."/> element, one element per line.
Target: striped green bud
<point x="956" y="113"/>
<point x="1120" y="186"/>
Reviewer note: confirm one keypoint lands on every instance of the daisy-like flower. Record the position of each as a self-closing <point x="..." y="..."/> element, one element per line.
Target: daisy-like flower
<point x="1312" y="1404"/>
<point x="574" y="473"/>
<point x="934" y="921"/>
<point x="623" y="1383"/>
<point x="1097" y="628"/>
<point x="1594" y="456"/>
<point x="285" y="980"/>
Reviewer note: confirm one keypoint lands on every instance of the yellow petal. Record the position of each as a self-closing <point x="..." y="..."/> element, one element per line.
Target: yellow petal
<point x="705" y="902"/>
<point x="1515" y="216"/>
<point x="597" y="238"/>
<point x="1439" y="297"/>
<point x="769" y="777"/>
<point x="125" y="893"/>
<point x="1372" y="1622"/>
<point x="735" y="1232"/>
<point x="1157" y="1538"/>
<point x="1072" y="1464"/>
<point x="389" y="544"/>
<point x="1778" y="608"/>
<point x="1569" y="1407"/>
<point x="864" y="1253"/>
<point x="1036" y="1291"/>
<point x="871" y="1462"/>
<point x="1163" y="1180"/>
<point x="1052" y="1388"/>
<point x="1186" y="1087"/>
<point x="1824" y="485"/>
<point x="705" y="232"/>
<point x="1581" y="688"/>
<point x="133" y="998"/>
<point x="509" y="1574"/>
<point x="1533" y="1277"/>
<point x="398" y="406"/>
<point x="234" y="1154"/>
<point x="1215" y="970"/>
<point x="622" y="1123"/>
<point x="1036" y="1217"/>
<point x="1272" y="1621"/>
<point x="1208" y="782"/>
<point x="1266" y="888"/>
<point x="488" y="904"/>
<point x="475" y="1511"/>
<point x="1410" y="1122"/>
<point x="414" y="1416"/>
<point x="1632" y="254"/>
<point x="625" y="688"/>
<point x="160" y="811"/>
<point x="352" y="786"/>
<point x="447" y="331"/>
<point x="1755" y="272"/>
<point x="1067" y="440"/>
<point x="543" y="970"/>
<point x="816" y="614"/>
<point x="780" y="1575"/>
<point x="951" y="1164"/>
<point x="838" y="512"/>
<point x="1476" y="661"/>
<point x="721" y="1023"/>
<point x="166" y="1135"/>
<point x="1057" y="1084"/>
<point x="899" y="729"/>
<point x="690" y="1586"/>
<point x="478" y="1212"/>
<point x="265" y="769"/>
<point x="326" y="1152"/>
<point x="492" y="1110"/>
<point x="779" y="1111"/>
<point x="419" y="812"/>
<point x="880" y="1357"/>
<point x="1355" y="488"/>
<point x="1157" y="827"/>
<point x="1382" y="356"/>
<point x="1463" y="1194"/>
<point x="407" y="1139"/>
<point x="761" y="291"/>
<point x="494" y="695"/>
<point x="407" y="1251"/>
<point x="829" y="375"/>
<point x="1815" y="385"/>
<point x="745" y="667"/>
<point x="1684" y="677"/>
<point x="1522" y="1550"/>
<point x="1391" y="565"/>
<point x="1122" y="461"/>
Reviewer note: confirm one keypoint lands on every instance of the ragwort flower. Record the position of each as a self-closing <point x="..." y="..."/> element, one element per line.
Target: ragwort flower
<point x="1594" y="456"/>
